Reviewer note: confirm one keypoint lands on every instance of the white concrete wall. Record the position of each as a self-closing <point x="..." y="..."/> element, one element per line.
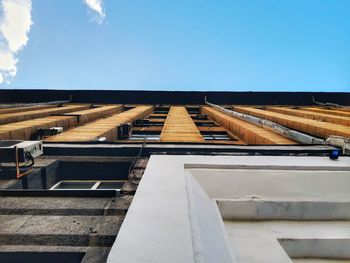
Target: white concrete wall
<point x="173" y="217"/>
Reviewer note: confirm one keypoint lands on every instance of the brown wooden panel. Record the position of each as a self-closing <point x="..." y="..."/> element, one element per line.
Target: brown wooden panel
<point x="32" y="114"/>
<point x="179" y="127"/>
<point x="23" y="109"/>
<point x="106" y="127"/>
<point x="317" y="128"/>
<point x="342" y="109"/>
<point x="328" y="111"/>
<point x="24" y="130"/>
<point x="96" y="113"/>
<point x="312" y="115"/>
<point x="249" y="133"/>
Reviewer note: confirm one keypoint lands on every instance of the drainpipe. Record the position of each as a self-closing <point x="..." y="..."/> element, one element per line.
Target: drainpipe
<point x="328" y="104"/>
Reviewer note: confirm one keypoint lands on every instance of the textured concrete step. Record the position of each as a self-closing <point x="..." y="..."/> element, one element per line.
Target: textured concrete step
<point x="64" y="206"/>
<point x="59" y="230"/>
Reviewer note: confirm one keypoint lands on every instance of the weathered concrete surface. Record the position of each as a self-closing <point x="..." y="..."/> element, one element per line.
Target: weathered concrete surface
<point x="64" y="205"/>
<point x="259" y="241"/>
<point x="48" y="171"/>
<point x="281" y="185"/>
<point x="61" y="224"/>
<point x="59" y="230"/>
<point x="43" y="176"/>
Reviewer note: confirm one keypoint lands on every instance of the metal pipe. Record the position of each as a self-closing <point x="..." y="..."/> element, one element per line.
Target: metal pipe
<point x="328" y="104"/>
<point x="290" y="134"/>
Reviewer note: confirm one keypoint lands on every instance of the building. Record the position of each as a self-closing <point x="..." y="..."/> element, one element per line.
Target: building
<point x="174" y="176"/>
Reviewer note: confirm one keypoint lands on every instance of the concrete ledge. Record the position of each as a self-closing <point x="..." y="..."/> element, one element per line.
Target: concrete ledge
<point x="59" y="230"/>
<point x="284" y="210"/>
<point x="173" y="217"/>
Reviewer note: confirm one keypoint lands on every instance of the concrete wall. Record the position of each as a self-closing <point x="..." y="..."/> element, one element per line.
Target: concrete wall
<point x="173" y="217"/>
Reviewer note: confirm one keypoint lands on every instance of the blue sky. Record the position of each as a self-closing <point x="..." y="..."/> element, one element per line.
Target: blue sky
<point x="255" y="45"/>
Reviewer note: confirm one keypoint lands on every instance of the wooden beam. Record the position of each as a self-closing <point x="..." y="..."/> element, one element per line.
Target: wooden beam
<point x="24" y="130"/>
<point x="89" y="115"/>
<point x="249" y="133"/>
<point x="317" y="128"/>
<point x="179" y="127"/>
<point x="148" y="128"/>
<point x="211" y="129"/>
<point x="326" y="111"/>
<point x="106" y="127"/>
<point x="32" y="114"/>
<point x="312" y="115"/>
<point x="23" y="109"/>
<point x="342" y="109"/>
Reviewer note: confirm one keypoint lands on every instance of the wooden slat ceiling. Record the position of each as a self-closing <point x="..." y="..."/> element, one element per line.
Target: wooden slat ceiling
<point x="317" y="128"/>
<point x="333" y="112"/>
<point x="106" y="127"/>
<point x="179" y="127"/>
<point x="312" y="115"/>
<point x="22" y="122"/>
<point x="24" y="130"/>
<point x="32" y="114"/>
<point x="23" y="109"/>
<point x="249" y="133"/>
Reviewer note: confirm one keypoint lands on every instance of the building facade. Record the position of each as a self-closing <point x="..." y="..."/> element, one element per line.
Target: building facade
<point x="174" y="177"/>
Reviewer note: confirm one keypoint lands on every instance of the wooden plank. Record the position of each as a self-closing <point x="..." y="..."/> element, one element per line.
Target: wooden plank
<point x="347" y="109"/>
<point x="179" y="127"/>
<point x="24" y="130"/>
<point x="106" y="127"/>
<point x="211" y="129"/>
<point x="249" y="133"/>
<point x="96" y="113"/>
<point x="317" y="128"/>
<point x="312" y="115"/>
<point x="148" y="129"/>
<point x="327" y="111"/>
<point x="23" y="109"/>
<point x="32" y="114"/>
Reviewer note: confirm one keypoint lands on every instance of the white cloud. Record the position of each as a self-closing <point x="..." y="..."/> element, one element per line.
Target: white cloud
<point x="15" y="23"/>
<point x="97" y="7"/>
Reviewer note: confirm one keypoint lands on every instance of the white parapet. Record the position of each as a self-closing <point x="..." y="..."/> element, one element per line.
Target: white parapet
<point x="237" y="209"/>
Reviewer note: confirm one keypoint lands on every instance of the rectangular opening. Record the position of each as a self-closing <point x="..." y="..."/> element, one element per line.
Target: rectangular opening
<point x="110" y="185"/>
<point x="147" y="123"/>
<point x="68" y="185"/>
<point x="199" y="117"/>
<point x="128" y="107"/>
<point x="193" y="110"/>
<point x="215" y="136"/>
<point x="88" y="185"/>
<point x="144" y="137"/>
<point x="157" y="117"/>
<point x="161" y="110"/>
<point x="205" y="123"/>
